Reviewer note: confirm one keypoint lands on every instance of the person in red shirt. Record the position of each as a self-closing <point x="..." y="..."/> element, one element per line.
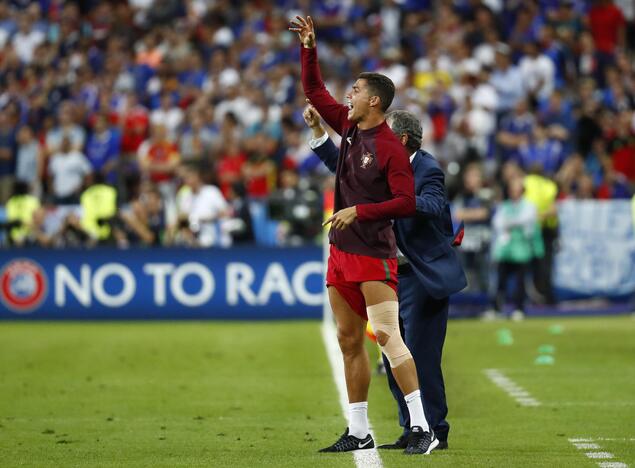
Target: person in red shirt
<point x="134" y="126"/>
<point x="229" y="168"/>
<point x="374" y="184"/>
<point x="158" y="157"/>
<point x="259" y="171"/>
<point x="608" y="28"/>
<point x="621" y="146"/>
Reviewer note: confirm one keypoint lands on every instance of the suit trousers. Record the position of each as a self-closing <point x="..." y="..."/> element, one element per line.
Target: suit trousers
<point x="423" y="322"/>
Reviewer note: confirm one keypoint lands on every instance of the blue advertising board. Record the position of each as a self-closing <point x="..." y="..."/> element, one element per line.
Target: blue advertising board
<point x="596" y="255"/>
<point x="238" y="283"/>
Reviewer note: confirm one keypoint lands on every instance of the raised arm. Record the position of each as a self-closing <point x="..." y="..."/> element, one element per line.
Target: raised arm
<point x="334" y="113"/>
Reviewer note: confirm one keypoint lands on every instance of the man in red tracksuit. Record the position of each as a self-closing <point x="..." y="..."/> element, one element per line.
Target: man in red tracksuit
<point x="374" y="184"/>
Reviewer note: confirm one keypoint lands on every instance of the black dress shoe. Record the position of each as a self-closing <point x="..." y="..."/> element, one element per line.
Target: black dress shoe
<point x="401" y="443"/>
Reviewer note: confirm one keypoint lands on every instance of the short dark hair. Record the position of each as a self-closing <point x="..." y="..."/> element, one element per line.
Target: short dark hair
<point x="381" y="86"/>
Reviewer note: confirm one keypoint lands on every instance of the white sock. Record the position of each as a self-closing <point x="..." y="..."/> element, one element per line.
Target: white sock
<point x="415" y="408"/>
<point x="358" y="419"/>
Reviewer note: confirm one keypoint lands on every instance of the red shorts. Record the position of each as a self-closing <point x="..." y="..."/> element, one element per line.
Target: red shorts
<point x="345" y="272"/>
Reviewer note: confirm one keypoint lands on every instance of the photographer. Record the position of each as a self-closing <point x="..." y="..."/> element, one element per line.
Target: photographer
<point x="201" y="209"/>
<point x="298" y="207"/>
<point x="143" y="222"/>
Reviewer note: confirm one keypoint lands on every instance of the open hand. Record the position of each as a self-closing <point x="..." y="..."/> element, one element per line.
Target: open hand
<point x="305" y="30"/>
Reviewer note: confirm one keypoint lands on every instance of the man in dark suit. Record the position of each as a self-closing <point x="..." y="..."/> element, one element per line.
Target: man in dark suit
<point x="429" y="269"/>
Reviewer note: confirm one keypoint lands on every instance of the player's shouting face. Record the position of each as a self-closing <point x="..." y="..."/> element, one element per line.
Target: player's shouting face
<point x="360" y="101"/>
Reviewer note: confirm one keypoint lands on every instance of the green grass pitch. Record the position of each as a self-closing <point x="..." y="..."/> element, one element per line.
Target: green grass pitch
<point x="261" y="394"/>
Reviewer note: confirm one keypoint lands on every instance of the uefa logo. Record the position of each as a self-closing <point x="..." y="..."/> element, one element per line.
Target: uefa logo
<point x="23" y="285"/>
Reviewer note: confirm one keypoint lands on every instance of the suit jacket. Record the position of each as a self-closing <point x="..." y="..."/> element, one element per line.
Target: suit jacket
<point x="426" y="238"/>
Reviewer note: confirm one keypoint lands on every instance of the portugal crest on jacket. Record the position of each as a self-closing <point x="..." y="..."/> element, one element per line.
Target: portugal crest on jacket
<point x="367" y="159"/>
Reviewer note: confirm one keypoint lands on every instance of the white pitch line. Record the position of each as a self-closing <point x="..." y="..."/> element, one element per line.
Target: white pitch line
<point x="599" y="455"/>
<point x="590" y="403"/>
<point x="618" y="439"/>
<point x="588" y="443"/>
<point x="586" y="446"/>
<point x="515" y="391"/>
<point x="596" y="439"/>
<point x="363" y="458"/>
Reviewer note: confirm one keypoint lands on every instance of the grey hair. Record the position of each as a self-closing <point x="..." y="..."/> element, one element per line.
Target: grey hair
<point x="401" y="122"/>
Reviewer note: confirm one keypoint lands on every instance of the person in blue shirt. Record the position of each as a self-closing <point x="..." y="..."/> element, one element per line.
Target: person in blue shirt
<point x="507" y="80"/>
<point x="514" y="131"/>
<point x="103" y="149"/>
<point x="542" y="150"/>
<point x="429" y="269"/>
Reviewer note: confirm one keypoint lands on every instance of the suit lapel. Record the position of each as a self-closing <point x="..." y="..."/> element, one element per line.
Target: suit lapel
<point x="416" y="163"/>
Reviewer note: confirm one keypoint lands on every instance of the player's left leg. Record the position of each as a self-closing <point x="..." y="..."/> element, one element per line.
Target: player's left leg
<point x="383" y="313"/>
<point x="350" y="334"/>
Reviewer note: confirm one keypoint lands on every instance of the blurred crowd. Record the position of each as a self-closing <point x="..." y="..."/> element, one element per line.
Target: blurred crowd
<point x="179" y="122"/>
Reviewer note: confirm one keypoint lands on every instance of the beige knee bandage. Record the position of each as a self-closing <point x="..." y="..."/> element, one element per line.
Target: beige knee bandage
<point x="384" y="318"/>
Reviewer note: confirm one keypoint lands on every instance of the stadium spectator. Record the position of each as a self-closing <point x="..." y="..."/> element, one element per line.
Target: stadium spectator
<point x="196" y="143"/>
<point x="515" y="130"/>
<point x="68" y="169"/>
<point x="507" y="80"/>
<point x="66" y="129"/>
<point x="584" y="189"/>
<point x="259" y="171"/>
<point x="538" y="72"/>
<point x="241" y="224"/>
<point x="167" y="115"/>
<point x="587" y="61"/>
<point x="608" y="27"/>
<point x="158" y="161"/>
<point x="473" y="206"/>
<point x="541" y="150"/>
<point x="8" y="24"/>
<point x="230" y="166"/>
<point x="613" y="184"/>
<point x="104" y="148"/>
<point x="135" y="124"/>
<point x="621" y="145"/>
<point x="7" y="156"/>
<point x="143" y="221"/>
<point x="26" y="39"/>
<point x="572" y="169"/>
<point x="516" y="241"/>
<point x="28" y="159"/>
<point x="201" y="211"/>
<point x="556" y="114"/>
